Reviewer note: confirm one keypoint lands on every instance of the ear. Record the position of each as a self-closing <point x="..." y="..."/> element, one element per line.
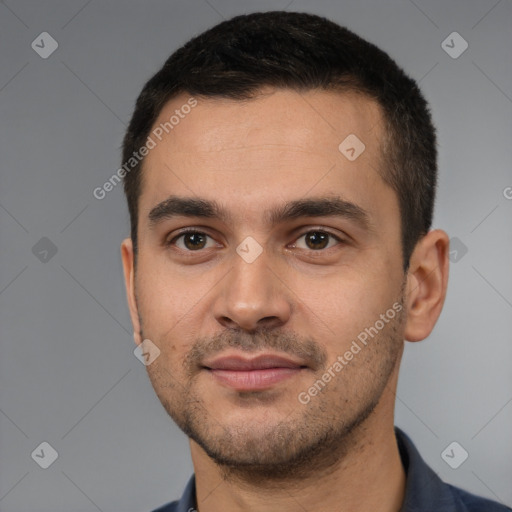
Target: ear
<point x="129" y="279"/>
<point x="427" y="280"/>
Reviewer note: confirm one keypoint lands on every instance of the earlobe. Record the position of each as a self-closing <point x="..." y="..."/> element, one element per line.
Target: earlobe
<point x="427" y="282"/>
<point x="129" y="279"/>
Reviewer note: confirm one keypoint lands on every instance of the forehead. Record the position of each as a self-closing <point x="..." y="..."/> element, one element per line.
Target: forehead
<point x="281" y="145"/>
<point x="218" y="124"/>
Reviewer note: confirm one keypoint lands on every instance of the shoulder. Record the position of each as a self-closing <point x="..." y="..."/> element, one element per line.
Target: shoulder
<point x="170" y="507"/>
<point x="473" y="503"/>
<point x="187" y="503"/>
<point x="426" y="491"/>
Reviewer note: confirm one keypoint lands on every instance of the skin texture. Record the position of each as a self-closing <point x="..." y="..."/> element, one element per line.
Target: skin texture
<point x="266" y="450"/>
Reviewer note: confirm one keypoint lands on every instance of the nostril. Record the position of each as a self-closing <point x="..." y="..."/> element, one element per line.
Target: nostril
<point x="271" y="322"/>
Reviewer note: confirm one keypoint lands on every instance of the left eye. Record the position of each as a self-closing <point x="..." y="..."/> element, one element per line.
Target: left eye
<point x="318" y="240"/>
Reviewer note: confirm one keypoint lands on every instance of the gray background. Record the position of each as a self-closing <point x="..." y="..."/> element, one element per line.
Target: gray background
<point x="68" y="375"/>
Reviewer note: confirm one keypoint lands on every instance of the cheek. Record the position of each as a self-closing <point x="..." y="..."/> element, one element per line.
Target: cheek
<point x="165" y="299"/>
<point x="344" y="304"/>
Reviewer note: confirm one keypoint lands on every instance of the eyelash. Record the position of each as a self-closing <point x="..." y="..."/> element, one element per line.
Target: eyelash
<point x="195" y="231"/>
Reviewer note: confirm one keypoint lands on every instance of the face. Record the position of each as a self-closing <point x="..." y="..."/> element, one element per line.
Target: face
<point x="269" y="274"/>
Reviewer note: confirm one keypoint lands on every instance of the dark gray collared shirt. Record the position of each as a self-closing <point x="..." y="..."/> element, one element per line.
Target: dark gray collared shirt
<point x="424" y="491"/>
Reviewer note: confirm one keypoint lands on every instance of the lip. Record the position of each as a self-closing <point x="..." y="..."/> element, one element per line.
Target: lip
<point x="252" y="374"/>
<point x="260" y="362"/>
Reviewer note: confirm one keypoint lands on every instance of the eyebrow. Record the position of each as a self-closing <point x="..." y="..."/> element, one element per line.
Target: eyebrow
<point x="177" y="206"/>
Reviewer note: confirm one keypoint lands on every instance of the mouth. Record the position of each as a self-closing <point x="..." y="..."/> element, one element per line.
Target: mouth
<point x="253" y="374"/>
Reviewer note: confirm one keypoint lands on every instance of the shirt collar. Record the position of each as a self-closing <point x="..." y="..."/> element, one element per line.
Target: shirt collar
<point x="187" y="501"/>
<point x="424" y="490"/>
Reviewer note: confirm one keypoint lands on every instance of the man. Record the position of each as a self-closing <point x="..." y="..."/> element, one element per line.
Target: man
<point x="280" y="179"/>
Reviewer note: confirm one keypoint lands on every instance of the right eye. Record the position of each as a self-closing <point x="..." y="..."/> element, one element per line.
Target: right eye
<point x="193" y="241"/>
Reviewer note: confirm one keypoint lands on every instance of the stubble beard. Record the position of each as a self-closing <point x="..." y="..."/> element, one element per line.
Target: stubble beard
<point x="313" y="439"/>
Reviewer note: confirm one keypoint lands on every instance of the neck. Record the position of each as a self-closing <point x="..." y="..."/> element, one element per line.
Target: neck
<point x="368" y="476"/>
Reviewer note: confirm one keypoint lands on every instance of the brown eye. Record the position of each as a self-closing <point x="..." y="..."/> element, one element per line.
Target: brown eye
<point x="190" y="241"/>
<point x="317" y="240"/>
<point x="194" y="241"/>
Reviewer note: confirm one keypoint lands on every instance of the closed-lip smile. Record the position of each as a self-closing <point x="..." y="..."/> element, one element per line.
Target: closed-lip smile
<point x="252" y="373"/>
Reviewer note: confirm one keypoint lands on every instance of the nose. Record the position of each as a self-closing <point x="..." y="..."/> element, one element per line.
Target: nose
<point x="252" y="296"/>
